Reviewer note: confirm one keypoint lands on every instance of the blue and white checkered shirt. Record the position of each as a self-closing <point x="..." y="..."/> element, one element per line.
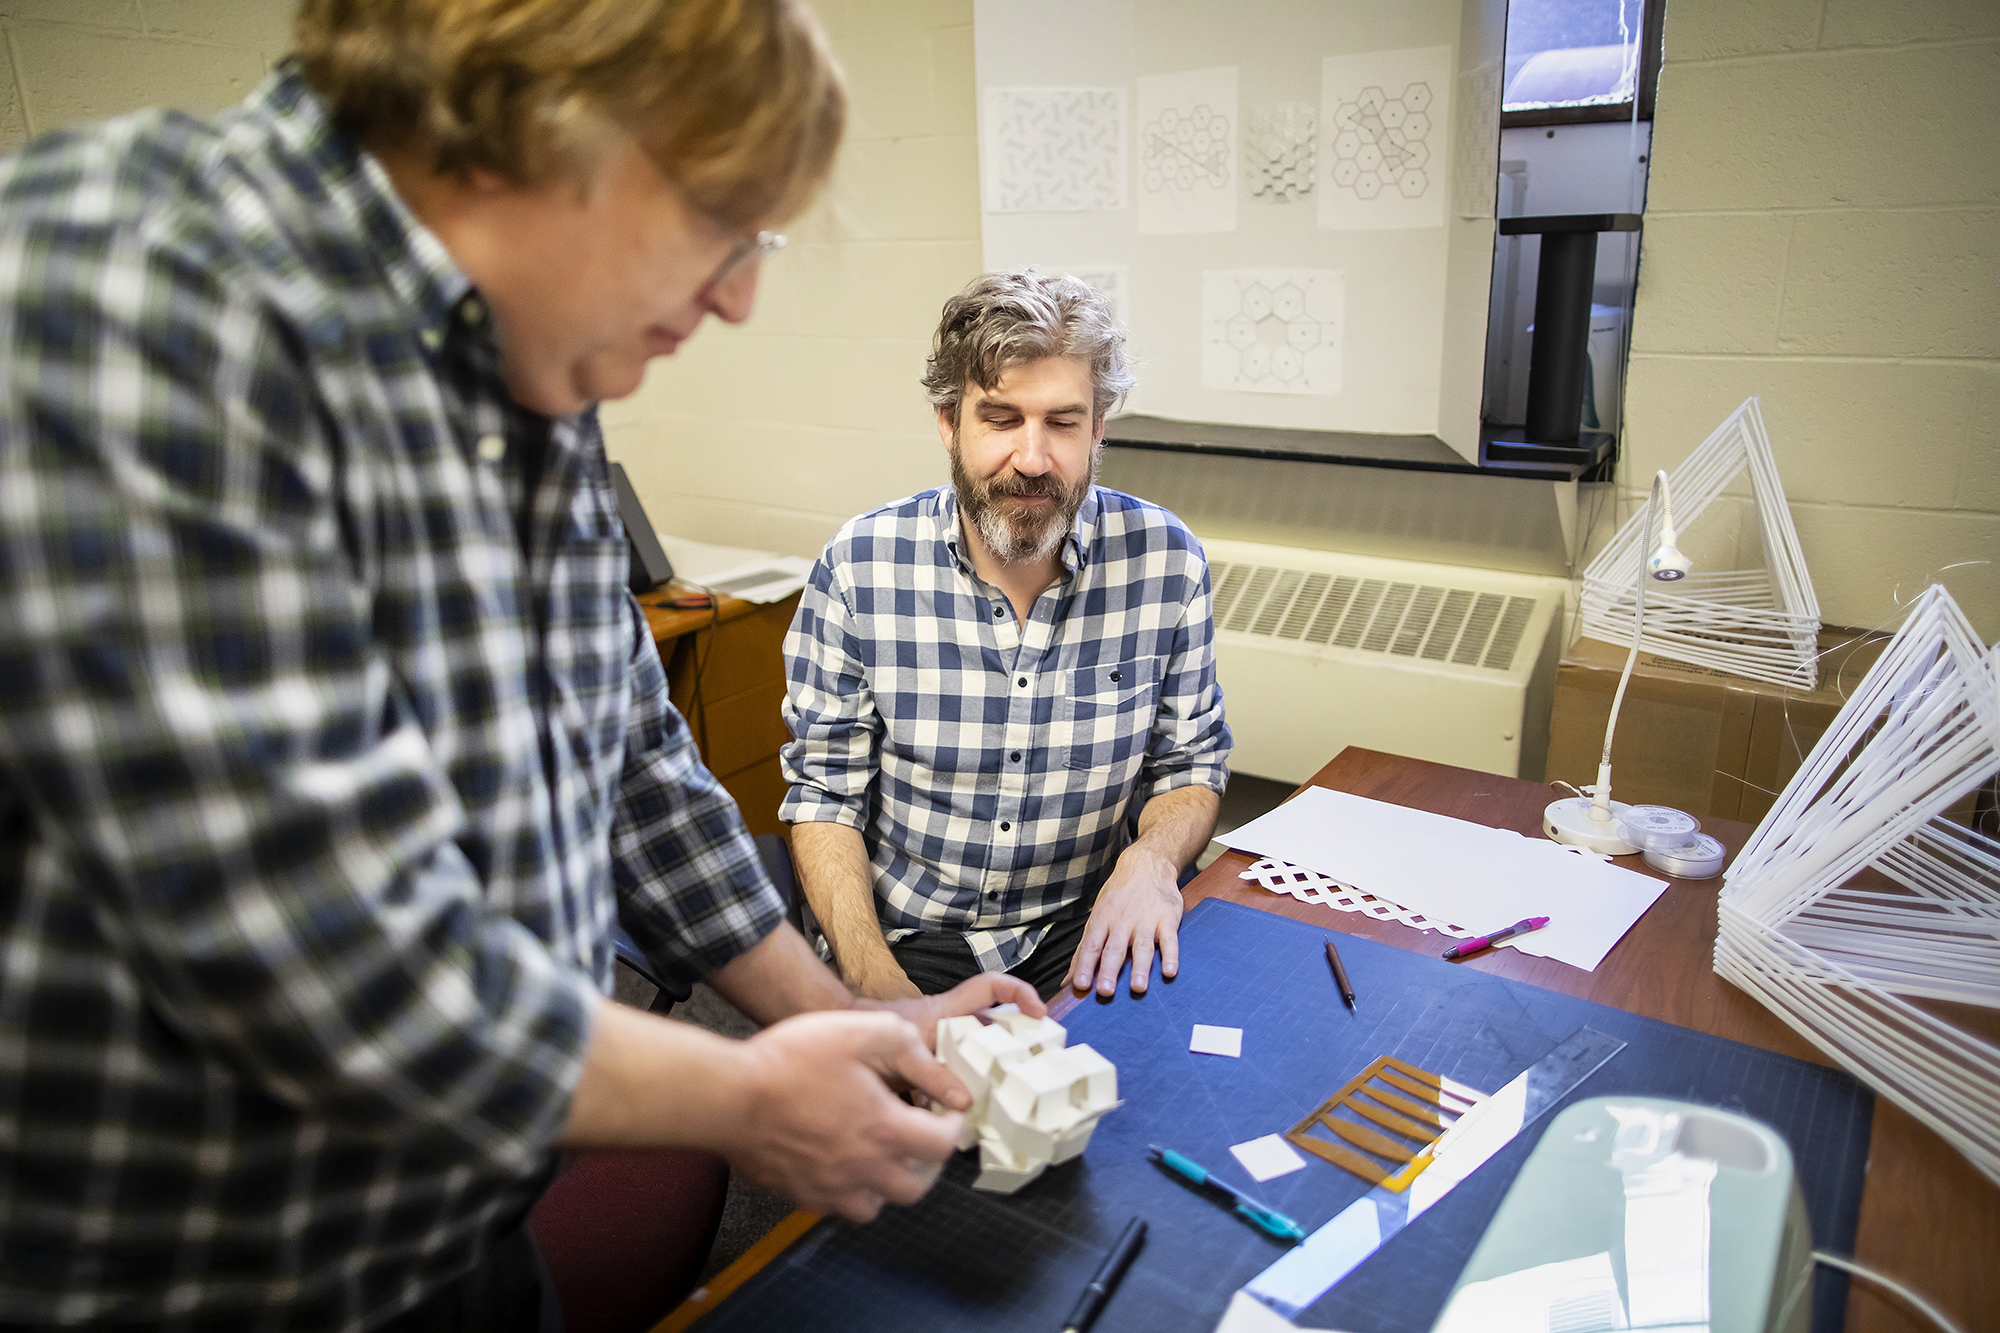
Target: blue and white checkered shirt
<point x="991" y="765"/>
<point x="323" y="765"/>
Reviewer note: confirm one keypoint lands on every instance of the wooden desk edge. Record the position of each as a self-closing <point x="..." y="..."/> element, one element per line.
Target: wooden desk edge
<point x="668" y="622"/>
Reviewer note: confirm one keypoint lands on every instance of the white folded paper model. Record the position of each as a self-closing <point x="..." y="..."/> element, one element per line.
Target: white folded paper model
<point x="1035" y="1100"/>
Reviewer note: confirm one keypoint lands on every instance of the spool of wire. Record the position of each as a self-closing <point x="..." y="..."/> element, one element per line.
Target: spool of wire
<point x="1701" y="857"/>
<point x="1658" y="828"/>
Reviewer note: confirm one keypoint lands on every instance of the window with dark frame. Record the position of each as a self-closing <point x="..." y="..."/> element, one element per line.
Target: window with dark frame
<point x="1572" y="62"/>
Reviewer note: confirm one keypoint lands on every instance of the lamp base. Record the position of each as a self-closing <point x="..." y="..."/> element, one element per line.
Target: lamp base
<point x="1568" y="821"/>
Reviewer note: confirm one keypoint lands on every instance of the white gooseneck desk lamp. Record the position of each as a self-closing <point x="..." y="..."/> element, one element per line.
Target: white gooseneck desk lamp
<point x="1591" y="822"/>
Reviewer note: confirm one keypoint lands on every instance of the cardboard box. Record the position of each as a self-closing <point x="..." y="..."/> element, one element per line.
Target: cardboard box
<point x="1697" y="739"/>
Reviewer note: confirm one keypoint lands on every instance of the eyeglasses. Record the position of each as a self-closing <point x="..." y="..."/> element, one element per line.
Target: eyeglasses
<point x="749" y="249"/>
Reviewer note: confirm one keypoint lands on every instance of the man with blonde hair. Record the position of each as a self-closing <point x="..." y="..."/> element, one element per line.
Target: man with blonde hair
<point x="331" y="742"/>
<point x="1008" y="741"/>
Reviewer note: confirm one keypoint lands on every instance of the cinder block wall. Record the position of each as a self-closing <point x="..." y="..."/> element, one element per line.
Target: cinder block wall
<point x="774" y="433"/>
<point x="69" y="60"/>
<point x="1823" y="229"/>
<point x="770" y="435"/>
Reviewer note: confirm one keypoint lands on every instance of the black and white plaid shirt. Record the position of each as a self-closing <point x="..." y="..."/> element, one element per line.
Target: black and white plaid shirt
<point x="991" y="765"/>
<point x="324" y="761"/>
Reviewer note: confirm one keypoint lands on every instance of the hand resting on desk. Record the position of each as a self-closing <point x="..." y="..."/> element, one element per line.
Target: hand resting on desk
<point x="1139" y="908"/>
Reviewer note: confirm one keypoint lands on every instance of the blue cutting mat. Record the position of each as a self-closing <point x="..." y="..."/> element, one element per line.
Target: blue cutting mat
<point x="967" y="1260"/>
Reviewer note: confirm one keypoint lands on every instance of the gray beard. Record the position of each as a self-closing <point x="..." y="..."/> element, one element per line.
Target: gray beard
<point x="1013" y="541"/>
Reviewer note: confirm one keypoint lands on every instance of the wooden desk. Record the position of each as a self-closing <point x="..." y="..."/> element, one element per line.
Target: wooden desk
<point x="726" y="674"/>
<point x="1927" y="1217"/>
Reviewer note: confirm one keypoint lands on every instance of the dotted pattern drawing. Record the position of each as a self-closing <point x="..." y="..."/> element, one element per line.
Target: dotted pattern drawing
<point x="1184" y="148"/>
<point x="1279" y="151"/>
<point x="1379" y="142"/>
<point x="1055" y="150"/>
<point x="1272" y="331"/>
<point x="1111" y="280"/>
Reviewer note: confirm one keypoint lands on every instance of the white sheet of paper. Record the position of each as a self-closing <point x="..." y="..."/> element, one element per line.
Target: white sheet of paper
<point x="1187" y="152"/>
<point x="1212" y="1040"/>
<point x="736" y="571"/>
<point x="1527" y="1301"/>
<point x="1452" y="870"/>
<point x="1268" y="1158"/>
<point x="1272" y="330"/>
<point x="1054" y="150"/>
<point x="1112" y="281"/>
<point x="1247" y="1314"/>
<point x="1384" y="139"/>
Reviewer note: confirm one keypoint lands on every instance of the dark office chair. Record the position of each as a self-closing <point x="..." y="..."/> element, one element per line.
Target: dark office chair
<point x="624" y="1232"/>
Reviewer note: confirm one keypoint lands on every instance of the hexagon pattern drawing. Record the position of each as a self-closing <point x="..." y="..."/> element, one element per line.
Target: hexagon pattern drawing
<point x="1272" y="330"/>
<point x="1187" y="151"/>
<point x="1385" y="139"/>
<point x="1279" y="151"/>
<point x="1379" y="142"/>
<point x="1183" y="148"/>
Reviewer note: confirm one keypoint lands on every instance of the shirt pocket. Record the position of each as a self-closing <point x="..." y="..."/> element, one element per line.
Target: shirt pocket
<point x="1106" y="713"/>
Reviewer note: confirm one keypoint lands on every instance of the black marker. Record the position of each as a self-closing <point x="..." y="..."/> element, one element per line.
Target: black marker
<point x="1100" y="1288"/>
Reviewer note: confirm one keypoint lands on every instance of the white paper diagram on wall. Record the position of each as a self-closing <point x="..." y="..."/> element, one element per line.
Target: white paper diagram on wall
<point x="1054" y="150"/>
<point x="1280" y="145"/>
<point x="1384" y="141"/>
<point x="1187" y="151"/>
<point x="1113" y="280"/>
<point x="1272" y="330"/>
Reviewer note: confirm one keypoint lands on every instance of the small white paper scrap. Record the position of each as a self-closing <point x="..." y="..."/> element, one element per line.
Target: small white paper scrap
<point x="1268" y="1158"/>
<point x="1211" y="1040"/>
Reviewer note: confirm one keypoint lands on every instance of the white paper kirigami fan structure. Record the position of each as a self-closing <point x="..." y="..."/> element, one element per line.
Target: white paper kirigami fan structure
<point x="1855" y="896"/>
<point x="1762" y="623"/>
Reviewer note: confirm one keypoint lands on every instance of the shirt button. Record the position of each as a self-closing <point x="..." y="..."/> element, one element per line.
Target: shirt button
<point x="492" y="448"/>
<point x="1117" y="675"/>
<point x="1022" y="682"/>
<point x="993" y="893"/>
<point x="1016" y="756"/>
<point x="1005" y="826"/>
<point x="997" y="613"/>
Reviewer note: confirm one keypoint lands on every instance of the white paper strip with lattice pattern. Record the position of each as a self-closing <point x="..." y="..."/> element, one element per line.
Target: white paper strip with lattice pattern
<point x="1309" y="886"/>
<point x="1761" y="623"/>
<point x="1856" y="898"/>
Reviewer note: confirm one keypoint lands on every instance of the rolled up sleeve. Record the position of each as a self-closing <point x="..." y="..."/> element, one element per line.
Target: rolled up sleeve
<point x="692" y="892"/>
<point x="1189" y="745"/>
<point x="831" y="759"/>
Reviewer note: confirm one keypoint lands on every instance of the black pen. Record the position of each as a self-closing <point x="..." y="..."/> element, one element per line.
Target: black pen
<point x="1340" y="976"/>
<point x="1100" y="1288"/>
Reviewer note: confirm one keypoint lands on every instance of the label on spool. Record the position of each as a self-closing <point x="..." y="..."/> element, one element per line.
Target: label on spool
<point x="1658" y="828"/>
<point x="1700" y="858"/>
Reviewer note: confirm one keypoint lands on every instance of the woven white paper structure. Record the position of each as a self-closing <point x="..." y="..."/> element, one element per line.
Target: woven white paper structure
<point x="1855" y="897"/>
<point x="1761" y="623"/>
<point x="1315" y="889"/>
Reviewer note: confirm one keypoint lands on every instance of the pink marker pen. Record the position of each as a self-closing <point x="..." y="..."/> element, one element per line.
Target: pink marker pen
<point x="1478" y="942"/>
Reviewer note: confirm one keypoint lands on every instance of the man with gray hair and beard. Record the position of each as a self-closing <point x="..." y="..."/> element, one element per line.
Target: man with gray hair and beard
<point x="1008" y="741"/>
